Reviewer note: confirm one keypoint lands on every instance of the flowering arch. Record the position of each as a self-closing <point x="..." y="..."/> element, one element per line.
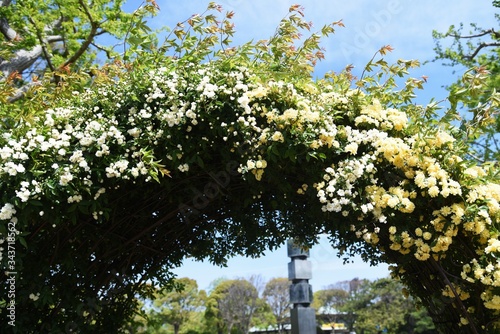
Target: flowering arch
<point x="169" y="157"/>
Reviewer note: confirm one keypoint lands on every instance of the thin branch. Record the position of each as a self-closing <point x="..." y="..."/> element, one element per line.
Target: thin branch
<point x="483" y="33"/>
<point x="88" y="41"/>
<point x="43" y="44"/>
<point x="54" y="25"/>
<point x="481" y="46"/>
<point x="457" y="299"/>
<point x="103" y="49"/>
<point x="54" y="38"/>
<point x="82" y="48"/>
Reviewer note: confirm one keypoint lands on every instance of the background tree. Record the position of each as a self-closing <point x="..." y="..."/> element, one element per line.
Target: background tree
<point x="348" y="307"/>
<point x="277" y="296"/>
<point x="328" y="303"/>
<point x="232" y="306"/>
<point x="381" y="306"/>
<point x="258" y="282"/>
<point x="47" y="39"/>
<point x="263" y="316"/>
<point x="178" y="306"/>
<point x="476" y="51"/>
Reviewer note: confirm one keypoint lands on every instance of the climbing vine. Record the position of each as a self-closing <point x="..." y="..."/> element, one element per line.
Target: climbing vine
<point x="203" y="149"/>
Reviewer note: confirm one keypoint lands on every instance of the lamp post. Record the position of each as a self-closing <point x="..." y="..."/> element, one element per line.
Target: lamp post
<point x="303" y="317"/>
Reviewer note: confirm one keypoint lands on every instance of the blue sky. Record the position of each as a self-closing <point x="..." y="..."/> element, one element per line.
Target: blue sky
<point x="369" y="24"/>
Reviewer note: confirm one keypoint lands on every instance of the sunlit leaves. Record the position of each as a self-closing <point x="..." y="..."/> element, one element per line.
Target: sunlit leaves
<point x="198" y="147"/>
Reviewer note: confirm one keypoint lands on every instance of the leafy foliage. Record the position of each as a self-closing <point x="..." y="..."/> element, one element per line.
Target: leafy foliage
<point x="176" y="307"/>
<point x="209" y="150"/>
<point x="474" y="98"/>
<point x="329" y="302"/>
<point x="46" y="40"/>
<point x="232" y="306"/>
<point x="381" y="306"/>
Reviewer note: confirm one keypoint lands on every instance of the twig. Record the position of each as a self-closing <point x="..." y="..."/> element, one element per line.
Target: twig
<point x="93" y="32"/>
<point x="483" y="33"/>
<point x="479" y="48"/>
<point x="457" y="297"/>
<point x="43" y="45"/>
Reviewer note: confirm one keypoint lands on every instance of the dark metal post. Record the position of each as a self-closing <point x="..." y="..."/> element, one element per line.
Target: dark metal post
<point x="303" y="317"/>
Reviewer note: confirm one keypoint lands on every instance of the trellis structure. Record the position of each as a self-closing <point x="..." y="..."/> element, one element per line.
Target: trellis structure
<point x="111" y="185"/>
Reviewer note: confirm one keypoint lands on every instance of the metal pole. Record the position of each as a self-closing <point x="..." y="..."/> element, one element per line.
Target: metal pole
<point x="303" y="317"/>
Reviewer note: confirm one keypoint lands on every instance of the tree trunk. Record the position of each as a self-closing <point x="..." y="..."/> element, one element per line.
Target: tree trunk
<point x="6" y="30"/>
<point x="22" y="60"/>
<point x="428" y="279"/>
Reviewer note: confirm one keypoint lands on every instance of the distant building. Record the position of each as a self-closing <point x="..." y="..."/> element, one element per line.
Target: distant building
<point x="287" y="328"/>
<point x="324" y="316"/>
<point x="324" y="329"/>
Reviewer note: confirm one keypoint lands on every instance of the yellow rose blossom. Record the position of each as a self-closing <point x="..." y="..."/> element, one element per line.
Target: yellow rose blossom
<point x="261" y="163"/>
<point x="315" y="144"/>
<point x="311" y="116"/>
<point x="310" y="88"/>
<point x="290" y="114"/>
<point x="433" y="191"/>
<point x="278" y="136"/>
<point x="448" y="291"/>
<point x="258" y="174"/>
<point x="397" y="118"/>
<point x="258" y="92"/>
<point x="395" y="246"/>
<point x="303" y="105"/>
<point x="491" y="301"/>
<point x="351" y="148"/>
<point x="442" y="138"/>
<point x="263" y="138"/>
<point x="493" y="245"/>
<point x="474" y="172"/>
<point x="250" y="164"/>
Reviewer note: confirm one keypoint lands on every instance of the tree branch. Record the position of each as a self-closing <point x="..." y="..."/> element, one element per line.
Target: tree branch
<point x="480" y="46"/>
<point x="88" y="41"/>
<point x="483" y="33"/>
<point x="456" y="299"/>
<point x="54" y="38"/>
<point x="43" y="43"/>
<point x="5" y="28"/>
<point x="21" y="61"/>
<point x="9" y="33"/>
<point x="103" y="49"/>
<point x="5" y="3"/>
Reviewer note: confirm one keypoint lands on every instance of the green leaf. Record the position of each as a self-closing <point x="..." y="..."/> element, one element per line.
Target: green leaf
<point x="22" y="241"/>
